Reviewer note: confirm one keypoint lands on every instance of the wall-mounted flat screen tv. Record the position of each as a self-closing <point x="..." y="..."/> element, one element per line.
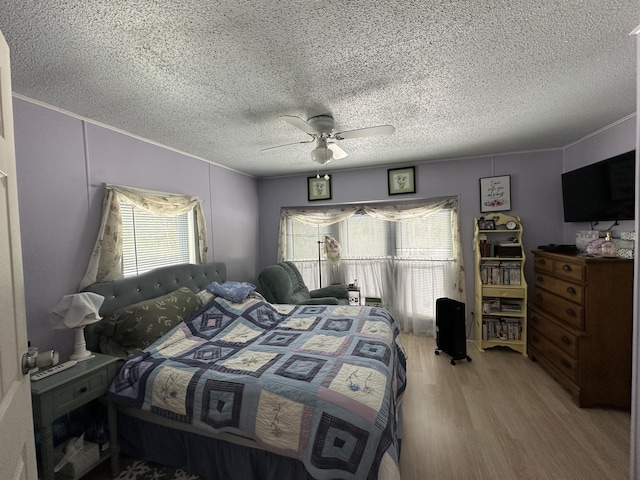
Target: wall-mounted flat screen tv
<point x="602" y="191"/>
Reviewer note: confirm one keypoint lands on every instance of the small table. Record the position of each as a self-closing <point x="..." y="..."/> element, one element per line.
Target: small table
<point x="62" y="393"/>
<point x="353" y="298"/>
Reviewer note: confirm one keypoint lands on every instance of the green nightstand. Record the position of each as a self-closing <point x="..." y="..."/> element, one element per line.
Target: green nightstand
<point x="62" y="393"/>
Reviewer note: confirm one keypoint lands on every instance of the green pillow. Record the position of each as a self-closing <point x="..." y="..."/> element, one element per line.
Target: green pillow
<point x="137" y="326"/>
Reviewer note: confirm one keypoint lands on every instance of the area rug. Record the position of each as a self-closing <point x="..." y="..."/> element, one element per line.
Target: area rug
<point x="139" y="470"/>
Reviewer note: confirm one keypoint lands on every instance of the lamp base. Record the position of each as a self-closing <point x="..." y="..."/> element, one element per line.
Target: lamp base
<point x="86" y="355"/>
<point x="80" y="352"/>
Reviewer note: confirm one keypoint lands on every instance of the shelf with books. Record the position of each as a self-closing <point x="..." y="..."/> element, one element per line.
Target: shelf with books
<point x="501" y="290"/>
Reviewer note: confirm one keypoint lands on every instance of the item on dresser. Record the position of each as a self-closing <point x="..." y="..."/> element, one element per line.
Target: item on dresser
<point x="608" y="248"/>
<point x="581" y="325"/>
<point x="583" y="237"/>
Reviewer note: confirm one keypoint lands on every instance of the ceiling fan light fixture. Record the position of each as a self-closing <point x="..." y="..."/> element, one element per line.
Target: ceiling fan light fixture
<point x="321" y="155"/>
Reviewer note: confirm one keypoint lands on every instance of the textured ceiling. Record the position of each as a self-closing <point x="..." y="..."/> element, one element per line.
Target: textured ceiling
<point x="456" y="78"/>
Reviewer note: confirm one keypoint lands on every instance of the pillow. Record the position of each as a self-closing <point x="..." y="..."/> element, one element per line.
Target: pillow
<point x="135" y="327"/>
<point x="205" y="296"/>
<point x="235" y="292"/>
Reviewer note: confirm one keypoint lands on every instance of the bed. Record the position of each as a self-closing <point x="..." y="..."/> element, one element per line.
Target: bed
<point x="231" y="386"/>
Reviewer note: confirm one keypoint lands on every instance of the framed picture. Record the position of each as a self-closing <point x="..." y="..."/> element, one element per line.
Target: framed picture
<point x="486" y="224"/>
<point x="495" y="194"/>
<point x="402" y="180"/>
<point x="319" y="188"/>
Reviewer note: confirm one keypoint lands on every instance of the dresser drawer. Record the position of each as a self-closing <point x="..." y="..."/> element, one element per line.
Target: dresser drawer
<point x="567" y="268"/>
<point x="568" y="290"/>
<point x="561" y="308"/>
<point x="80" y="391"/>
<point x="542" y="264"/>
<point x="541" y="324"/>
<point x="557" y="357"/>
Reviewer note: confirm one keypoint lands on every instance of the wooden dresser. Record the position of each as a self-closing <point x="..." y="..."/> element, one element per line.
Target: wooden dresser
<point x="580" y="325"/>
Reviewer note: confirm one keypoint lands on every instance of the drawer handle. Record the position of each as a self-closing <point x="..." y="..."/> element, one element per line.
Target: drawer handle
<point x="534" y="319"/>
<point x="566" y="268"/>
<point x="571" y="312"/>
<point x="566" y="340"/>
<point x="83" y="389"/>
<point x="571" y="290"/>
<point x="541" y="262"/>
<point x="540" y="278"/>
<point x="565" y="363"/>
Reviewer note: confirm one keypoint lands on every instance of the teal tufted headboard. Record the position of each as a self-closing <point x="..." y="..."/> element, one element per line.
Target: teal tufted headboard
<point x="154" y="283"/>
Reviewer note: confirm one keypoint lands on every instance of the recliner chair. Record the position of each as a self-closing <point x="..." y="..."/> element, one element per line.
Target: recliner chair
<point x="282" y="283"/>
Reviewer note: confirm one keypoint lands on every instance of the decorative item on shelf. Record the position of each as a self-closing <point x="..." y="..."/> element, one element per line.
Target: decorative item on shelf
<point x="486" y="223"/>
<point x="75" y="311"/>
<point x="608" y="248"/>
<point x="495" y="194"/>
<point x="401" y="180"/>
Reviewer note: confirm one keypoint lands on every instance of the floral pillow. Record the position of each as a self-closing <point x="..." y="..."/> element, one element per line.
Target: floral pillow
<point x="235" y="292"/>
<point x="135" y="327"/>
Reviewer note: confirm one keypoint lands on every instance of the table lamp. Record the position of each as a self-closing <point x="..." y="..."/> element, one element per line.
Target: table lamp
<point x="75" y="311"/>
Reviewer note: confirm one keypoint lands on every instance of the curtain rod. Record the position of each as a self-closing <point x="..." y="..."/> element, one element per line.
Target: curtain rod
<point x="146" y="190"/>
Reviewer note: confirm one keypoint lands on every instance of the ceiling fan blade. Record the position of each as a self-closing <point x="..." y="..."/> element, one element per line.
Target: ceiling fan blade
<point x="285" y="145"/>
<point x="338" y="152"/>
<point x="300" y="123"/>
<point x="365" y="132"/>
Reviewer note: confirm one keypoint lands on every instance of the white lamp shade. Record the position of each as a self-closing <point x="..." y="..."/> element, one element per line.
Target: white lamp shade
<point x="74" y="312"/>
<point x="77" y="310"/>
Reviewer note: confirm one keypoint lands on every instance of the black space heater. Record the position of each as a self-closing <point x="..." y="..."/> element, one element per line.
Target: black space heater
<point x="451" y="337"/>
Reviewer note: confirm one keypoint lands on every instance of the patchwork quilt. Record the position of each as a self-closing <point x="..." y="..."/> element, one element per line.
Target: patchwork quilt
<point x="320" y="383"/>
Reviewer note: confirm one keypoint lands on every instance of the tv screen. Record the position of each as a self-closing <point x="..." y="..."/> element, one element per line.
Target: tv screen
<point x="601" y="191"/>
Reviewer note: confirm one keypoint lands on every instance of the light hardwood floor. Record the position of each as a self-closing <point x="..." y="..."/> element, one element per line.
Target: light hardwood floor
<point x="499" y="417"/>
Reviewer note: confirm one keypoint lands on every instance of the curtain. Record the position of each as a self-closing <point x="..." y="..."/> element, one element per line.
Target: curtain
<point x="394" y="280"/>
<point x="106" y="259"/>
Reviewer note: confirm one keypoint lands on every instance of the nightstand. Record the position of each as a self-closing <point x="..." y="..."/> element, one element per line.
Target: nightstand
<point x="66" y="391"/>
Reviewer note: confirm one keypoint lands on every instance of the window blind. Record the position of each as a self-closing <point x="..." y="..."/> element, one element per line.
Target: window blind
<point x="150" y="241"/>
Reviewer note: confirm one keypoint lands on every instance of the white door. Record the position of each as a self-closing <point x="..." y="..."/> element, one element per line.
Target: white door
<point x="17" y="450"/>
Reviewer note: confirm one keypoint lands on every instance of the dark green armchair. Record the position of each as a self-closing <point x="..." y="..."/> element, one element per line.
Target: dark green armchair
<point x="282" y="283"/>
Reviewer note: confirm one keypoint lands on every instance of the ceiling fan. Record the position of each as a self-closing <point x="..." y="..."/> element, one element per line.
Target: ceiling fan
<point x="320" y="129"/>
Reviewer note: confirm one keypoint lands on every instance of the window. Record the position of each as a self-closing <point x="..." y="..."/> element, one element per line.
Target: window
<point x="153" y="228"/>
<point x="408" y="256"/>
<point x="150" y="240"/>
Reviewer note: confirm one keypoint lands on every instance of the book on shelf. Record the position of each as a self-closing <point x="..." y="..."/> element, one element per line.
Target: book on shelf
<point x="495" y="272"/>
<point x="501" y="328"/>
<point x="494" y="305"/>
